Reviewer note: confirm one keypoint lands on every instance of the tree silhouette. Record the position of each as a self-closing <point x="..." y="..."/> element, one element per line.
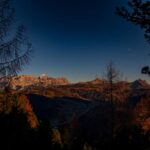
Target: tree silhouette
<point x="145" y="70"/>
<point x="15" y="48"/>
<point x="138" y="13"/>
<point x="111" y="78"/>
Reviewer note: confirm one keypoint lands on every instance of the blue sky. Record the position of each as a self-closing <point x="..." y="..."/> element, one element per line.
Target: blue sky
<point x="77" y="38"/>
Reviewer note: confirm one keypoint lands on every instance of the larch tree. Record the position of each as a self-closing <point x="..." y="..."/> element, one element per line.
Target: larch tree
<point x="15" y="48"/>
<point x="111" y="77"/>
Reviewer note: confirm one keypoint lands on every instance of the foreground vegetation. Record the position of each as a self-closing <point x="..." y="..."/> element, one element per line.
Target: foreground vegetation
<point x="123" y="124"/>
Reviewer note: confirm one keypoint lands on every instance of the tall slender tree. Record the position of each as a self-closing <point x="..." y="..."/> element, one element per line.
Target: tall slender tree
<point x="15" y="48"/>
<point x="111" y="78"/>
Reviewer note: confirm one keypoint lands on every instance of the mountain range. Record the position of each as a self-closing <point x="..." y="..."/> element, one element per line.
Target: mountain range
<point x="57" y="99"/>
<point x="62" y="102"/>
<point x="25" y="81"/>
<point x="22" y="82"/>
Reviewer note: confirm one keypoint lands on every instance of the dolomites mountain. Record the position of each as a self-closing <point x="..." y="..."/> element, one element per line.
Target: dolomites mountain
<point x="24" y="81"/>
<point x="28" y="81"/>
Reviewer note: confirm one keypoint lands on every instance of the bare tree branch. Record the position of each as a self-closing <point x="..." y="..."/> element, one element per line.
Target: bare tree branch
<point x="14" y="53"/>
<point x="138" y="13"/>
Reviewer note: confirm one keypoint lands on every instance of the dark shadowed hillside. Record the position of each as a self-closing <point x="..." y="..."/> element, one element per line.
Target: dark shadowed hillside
<point x="54" y="109"/>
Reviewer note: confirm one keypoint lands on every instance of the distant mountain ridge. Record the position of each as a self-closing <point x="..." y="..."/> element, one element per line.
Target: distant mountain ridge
<point x="28" y="81"/>
<point x="25" y="81"/>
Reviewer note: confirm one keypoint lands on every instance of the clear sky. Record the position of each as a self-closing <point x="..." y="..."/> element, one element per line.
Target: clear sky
<point x="77" y="38"/>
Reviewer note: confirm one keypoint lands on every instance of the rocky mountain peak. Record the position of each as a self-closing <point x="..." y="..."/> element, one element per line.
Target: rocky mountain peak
<point x="24" y="81"/>
<point x="96" y="81"/>
<point x="138" y="84"/>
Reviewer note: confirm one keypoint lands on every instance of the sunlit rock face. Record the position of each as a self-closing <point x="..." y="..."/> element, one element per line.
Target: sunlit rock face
<point x="24" y="81"/>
